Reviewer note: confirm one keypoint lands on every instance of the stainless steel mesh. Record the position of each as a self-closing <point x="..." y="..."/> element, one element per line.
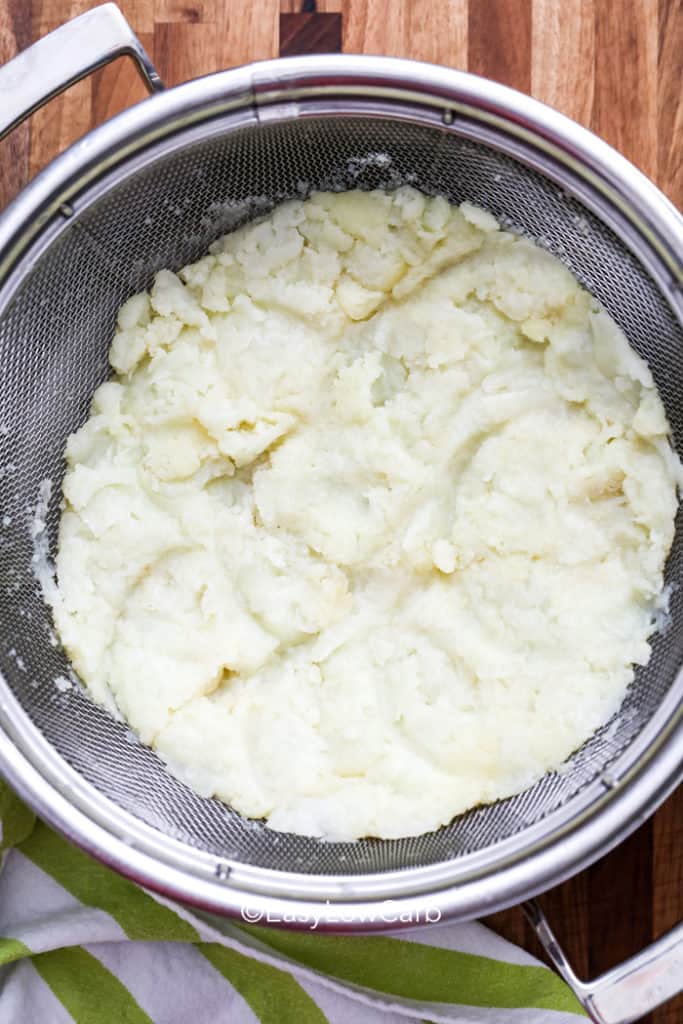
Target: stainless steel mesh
<point x="54" y="338"/>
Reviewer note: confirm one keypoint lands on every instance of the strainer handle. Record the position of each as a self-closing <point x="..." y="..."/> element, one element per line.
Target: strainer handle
<point x="63" y="57"/>
<point x="628" y="991"/>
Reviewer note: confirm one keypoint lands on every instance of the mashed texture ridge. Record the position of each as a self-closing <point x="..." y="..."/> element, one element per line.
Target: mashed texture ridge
<point x="369" y="525"/>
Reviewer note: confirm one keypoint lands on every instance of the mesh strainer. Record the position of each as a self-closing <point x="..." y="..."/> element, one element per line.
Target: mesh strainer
<point x="152" y="188"/>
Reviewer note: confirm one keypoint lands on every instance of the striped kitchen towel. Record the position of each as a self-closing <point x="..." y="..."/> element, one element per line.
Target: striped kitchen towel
<point x="80" y="943"/>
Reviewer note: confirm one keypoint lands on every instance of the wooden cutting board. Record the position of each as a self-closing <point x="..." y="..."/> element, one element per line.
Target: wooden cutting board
<point x="614" y="65"/>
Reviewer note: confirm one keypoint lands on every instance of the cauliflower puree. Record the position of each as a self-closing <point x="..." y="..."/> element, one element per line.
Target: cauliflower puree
<point x="369" y="525"/>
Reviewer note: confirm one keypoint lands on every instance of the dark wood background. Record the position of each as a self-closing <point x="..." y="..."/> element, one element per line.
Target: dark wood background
<point x="614" y="65"/>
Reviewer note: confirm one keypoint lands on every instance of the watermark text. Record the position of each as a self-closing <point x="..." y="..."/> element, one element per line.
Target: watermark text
<point x="388" y="914"/>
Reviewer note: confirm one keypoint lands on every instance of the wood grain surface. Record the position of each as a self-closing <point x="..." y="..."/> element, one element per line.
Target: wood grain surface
<point x="614" y="65"/>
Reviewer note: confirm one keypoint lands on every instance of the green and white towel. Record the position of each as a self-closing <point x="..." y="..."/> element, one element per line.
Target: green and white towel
<point x="80" y="943"/>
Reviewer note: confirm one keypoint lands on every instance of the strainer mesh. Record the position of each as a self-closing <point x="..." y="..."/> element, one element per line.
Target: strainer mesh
<point x="54" y="337"/>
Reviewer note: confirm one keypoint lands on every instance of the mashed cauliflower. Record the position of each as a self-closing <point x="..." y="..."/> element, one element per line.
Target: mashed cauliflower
<point x="369" y="525"/>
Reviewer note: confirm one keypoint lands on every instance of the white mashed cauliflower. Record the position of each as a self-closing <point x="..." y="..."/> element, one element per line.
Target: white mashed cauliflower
<point x="369" y="526"/>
